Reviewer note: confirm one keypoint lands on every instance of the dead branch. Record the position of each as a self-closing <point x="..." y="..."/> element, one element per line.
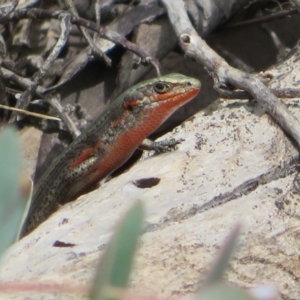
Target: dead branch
<point x="195" y="47"/>
<point x="26" y="96"/>
<point x="103" y="32"/>
<point x="87" y="36"/>
<point x="55" y="103"/>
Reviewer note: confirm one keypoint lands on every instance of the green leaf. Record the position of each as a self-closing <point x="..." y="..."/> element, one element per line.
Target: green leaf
<point x="222" y="292"/>
<point x="115" y="266"/>
<point x="220" y="265"/>
<point x="26" y="209"/>
<point x="11" y="204"/>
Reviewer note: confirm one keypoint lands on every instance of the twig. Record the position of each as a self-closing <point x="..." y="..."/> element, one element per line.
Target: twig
<point x="114" y="37"/>
<point x="264" y="19"/>
<point x="87" y="36"/>
<point x="55" y="103"/>
<point x="27" y="95"/>
<point x="98" y="11"/>
<point x="23" y="82"/>
<point x="97" y="14"/>
<point x="281" y="93"/>
<point x="297" y="3"/>
<point x="7" y="8"/>
<point x="73" y="68"/>
<point x="26" y="112"/>
<point x="64" y="34"/>
<point x="28" y="4"/>
<point x="119" y="39"/>
<point x="195" y="47"/>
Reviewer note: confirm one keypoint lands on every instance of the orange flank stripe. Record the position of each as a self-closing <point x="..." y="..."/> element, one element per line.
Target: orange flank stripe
<point x="131" y="138"/>
<point x="117" y="122"/>
<point x="128" y="104"/>
<point x="85" y="154"/>
<point x="108" y="143"/>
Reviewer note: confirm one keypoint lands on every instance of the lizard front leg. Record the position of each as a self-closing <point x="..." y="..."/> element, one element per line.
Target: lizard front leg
<point x="161" y="146"/>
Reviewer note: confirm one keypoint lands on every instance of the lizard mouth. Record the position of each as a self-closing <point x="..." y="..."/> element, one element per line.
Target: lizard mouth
<point x="177" y="97"/>
<point x="164" y="98"/>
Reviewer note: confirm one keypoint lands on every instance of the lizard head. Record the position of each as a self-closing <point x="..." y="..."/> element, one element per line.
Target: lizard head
<point x="148" y="104"/>
<point x="166" y="93"/>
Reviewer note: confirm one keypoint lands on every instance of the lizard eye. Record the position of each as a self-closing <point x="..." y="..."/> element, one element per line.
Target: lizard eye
<point x="161" y="87"/>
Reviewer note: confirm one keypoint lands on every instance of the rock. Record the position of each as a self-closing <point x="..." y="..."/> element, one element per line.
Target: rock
<point x="235" y="164"/>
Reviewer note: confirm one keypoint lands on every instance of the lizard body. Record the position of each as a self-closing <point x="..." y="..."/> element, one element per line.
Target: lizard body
<point x="108" y="142"/>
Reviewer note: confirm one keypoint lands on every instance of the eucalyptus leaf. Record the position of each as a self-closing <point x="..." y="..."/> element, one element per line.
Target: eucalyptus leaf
<point x="116" y="263"/>
<point x="222" y="261"/>
<point x="26" y="209"/>
<point x="221" y="291"/>
<point x="11" y="203"/>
